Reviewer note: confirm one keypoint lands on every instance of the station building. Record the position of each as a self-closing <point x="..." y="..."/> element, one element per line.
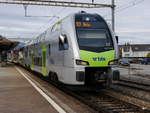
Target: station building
<point x="135" y="50"/>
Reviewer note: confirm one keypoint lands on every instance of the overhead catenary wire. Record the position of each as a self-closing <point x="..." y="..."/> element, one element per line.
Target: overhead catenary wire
<point x="65" y="4"/>
<point x="126" y="6"/>
<point x="118" y="9"/>
<point x="131" y="4"/>
<point x="50" y="21"/>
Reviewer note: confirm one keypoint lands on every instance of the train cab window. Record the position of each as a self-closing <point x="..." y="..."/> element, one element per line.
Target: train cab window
<point x="63" y="42"/>
<point x="93" y="33"/>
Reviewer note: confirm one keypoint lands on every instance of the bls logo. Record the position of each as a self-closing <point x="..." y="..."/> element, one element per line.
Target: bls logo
<point x="99" y="59"/>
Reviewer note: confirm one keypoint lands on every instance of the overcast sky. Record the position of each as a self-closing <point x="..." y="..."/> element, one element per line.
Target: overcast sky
<point x="132" y="20"/>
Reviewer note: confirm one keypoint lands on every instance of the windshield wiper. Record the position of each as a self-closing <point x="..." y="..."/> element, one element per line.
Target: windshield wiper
<point x="108" y="47"/>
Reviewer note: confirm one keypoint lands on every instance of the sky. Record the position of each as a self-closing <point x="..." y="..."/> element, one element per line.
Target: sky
<point x="132" y="19"/>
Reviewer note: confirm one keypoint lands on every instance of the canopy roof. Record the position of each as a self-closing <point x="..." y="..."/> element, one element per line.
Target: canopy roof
<point x="6" y="44"/>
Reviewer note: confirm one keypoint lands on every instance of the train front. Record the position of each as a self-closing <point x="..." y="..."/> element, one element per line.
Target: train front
<point x="97" y="49"/>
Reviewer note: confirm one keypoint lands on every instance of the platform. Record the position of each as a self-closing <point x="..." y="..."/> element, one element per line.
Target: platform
<point x="24" y="92"/>
<point x="18" y="96"/>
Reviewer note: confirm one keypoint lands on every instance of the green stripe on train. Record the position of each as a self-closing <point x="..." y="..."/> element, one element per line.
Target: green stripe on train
<point x="44" y="71"/>
<point x="97" y="59"/>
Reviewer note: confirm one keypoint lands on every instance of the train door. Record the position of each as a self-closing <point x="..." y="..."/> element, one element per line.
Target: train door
<point x="63" y="45"/>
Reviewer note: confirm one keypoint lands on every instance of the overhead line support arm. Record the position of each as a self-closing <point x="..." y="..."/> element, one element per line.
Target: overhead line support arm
<point x="56" y="3"/>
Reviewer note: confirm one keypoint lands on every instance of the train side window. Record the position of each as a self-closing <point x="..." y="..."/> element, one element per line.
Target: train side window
<point x="38" y="61"/>
<point x="30" y="53"/>
<point x="63" y="42"/>
<point x="49" y="49"/>
<point x="26" y="52"/>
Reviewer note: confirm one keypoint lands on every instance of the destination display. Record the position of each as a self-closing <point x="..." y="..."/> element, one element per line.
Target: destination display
<point x="83" y="24"/>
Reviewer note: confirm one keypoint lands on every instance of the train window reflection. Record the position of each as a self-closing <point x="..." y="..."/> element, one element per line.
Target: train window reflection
<point x="94" y="39"/>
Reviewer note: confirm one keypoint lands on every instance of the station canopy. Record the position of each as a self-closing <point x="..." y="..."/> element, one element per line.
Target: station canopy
<point x="6" y="44"/>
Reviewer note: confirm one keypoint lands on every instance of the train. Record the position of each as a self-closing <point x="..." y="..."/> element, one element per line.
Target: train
<point x="78" y="50"/>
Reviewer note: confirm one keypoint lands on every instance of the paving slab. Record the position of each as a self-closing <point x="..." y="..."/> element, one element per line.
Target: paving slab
<point x="18" y="96"/>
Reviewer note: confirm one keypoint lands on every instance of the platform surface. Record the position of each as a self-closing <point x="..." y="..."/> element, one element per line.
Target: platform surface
<point x="18" y="96"/>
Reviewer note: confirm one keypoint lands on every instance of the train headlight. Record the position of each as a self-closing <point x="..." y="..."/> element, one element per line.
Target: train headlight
<point x="113" y="62"/>
<point x="81" y="62"/>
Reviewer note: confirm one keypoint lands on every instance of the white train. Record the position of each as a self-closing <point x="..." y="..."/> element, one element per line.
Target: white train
<point x="77" y="50"/>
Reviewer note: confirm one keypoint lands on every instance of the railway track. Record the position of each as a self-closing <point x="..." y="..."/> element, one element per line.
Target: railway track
<point x="106" y="101"/>
<point x="139" y="93"/>
<point x="102" y="101"/>
<point x="132" y="84"/>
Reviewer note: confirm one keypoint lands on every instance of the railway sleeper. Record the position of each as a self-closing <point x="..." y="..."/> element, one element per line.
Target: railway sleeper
<point x="124" y="110"/>
<point x="111" y="108"/>
<point x="106" y="101"/>
<point x="112" y="105"/>
<point x="116" y="107"/>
